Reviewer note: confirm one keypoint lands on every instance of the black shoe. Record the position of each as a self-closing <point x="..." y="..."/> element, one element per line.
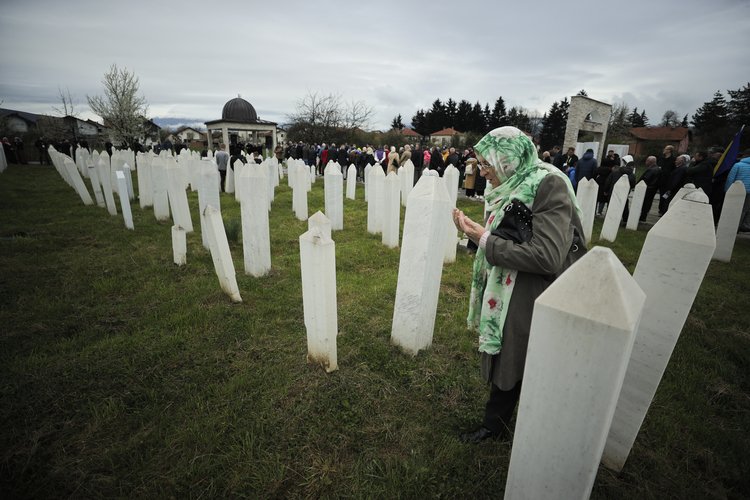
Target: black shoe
<point x="479" y="435"/>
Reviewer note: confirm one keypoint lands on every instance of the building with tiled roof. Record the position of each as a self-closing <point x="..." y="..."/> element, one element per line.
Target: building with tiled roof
<point x="647" y="140"/>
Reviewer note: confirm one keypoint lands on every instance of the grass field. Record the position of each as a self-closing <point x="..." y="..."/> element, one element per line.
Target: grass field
<point x="123" y="375"/>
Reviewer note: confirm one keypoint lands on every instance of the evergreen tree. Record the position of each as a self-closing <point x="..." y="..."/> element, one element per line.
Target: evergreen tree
<point x="487" y="117"/>
<point x="397" y="123"/>
<point x="518" y="118"/>
<point x="634" y="118"/>
<point x="684" y="121"/>
<point x="419" y="123"/>
<point x="462" y="121"/>
<point x="644" y="119"/>
<point x="553" y="127"/>
<point x="450" y="112"/>
<point x="583" y="93"/>
<point x="619" y="123"/>
<point x="499" y="116"/>
<point x="711" y="121"/>
<point x="476" y="119"/>
<point x="437" y="117"/>
<point x="739" y="106"/>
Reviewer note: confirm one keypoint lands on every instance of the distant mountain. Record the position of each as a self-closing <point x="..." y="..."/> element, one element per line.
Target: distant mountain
<point x="175" y="123"/>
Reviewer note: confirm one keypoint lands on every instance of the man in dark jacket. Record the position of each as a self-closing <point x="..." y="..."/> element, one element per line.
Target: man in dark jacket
<point x="586" y="166"/>
<point x="570" y="160"/>
<point x="667" y="163"/>
<point x="700" y="173"/>
<point x="652" y="178"/>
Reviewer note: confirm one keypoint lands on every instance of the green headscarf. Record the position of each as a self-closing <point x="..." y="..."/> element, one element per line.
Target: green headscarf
<point x="520" y="171"/>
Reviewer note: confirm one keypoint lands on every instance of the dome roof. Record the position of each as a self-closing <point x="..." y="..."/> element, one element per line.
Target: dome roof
<point x="239" y="110"/>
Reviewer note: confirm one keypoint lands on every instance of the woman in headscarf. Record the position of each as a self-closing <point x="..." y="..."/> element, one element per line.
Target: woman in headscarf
<point x="393" y="161"/>
<point x="507" y="276"/>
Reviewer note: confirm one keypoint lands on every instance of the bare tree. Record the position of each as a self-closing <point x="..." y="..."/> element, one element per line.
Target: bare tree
<point x="320" y="118"/>
<point x="121" y="107"/>
<point x="67" y="105"/>
<point x="670" y="119"/>
<point x="618" y="123"/>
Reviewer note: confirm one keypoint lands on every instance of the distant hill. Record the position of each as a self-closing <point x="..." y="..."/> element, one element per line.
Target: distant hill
<point x="175" y="123"/>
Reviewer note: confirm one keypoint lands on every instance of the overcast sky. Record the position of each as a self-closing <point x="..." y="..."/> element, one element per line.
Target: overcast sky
<point x="191" y="57"/>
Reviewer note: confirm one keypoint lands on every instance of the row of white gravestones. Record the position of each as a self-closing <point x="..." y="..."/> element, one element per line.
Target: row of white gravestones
<point x="122" y="190"/>
<point x="575" y="364"/>
<point x="420" y="266"/>
<point x="602" y="367"/>
<point x="391" y="210"/>
<point x="406" y="174"/>
<point x="351" y="182"/>
<point x="220" y="254"/>
<point x="376" y="200"/>
<point x="256" y="241"/>
<point x="450" y="178"/>
<point x="318" y="269"/>
<point x="587" y="193"/>
<point x="334" y="195"/>
<point x="670" y="269"/>
<point x="615" y="209"/>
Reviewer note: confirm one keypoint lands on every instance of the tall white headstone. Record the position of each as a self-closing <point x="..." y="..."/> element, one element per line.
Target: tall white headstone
<point x="122" y="191"/>
<point x="179" y="246"/>
<point x="615" y="209"/>
<point x="407" y="180"/>
<point x="229" y="181"/>
<point x="636" y="204"/>
<point x="145" y="185"/>
<point x="334" y="196"/>
<point x="299" y="192"/>
<point x="367" y="170"/>
<point x="178" y="203"/>
<point x="220" y="254"/>
<point x="318" y="266"/>
<point x="376" y="202"/>
<point x="682" y="192"/>
<point x="256" y="239"/>
<point x="161" y="188"/>
<point x="577" y="355"/>
<point x="96" y="185"/>
<point x="450" y="178"/>
<point x="729" y="222"/>
<point x="420" y="266"/>
<point x="586" y="194"/>
<point x="391" y="210"/>
<point x="208" y="193"/>
<point x="106" y="180"/>
<point x="351" y="182"/>
<point x="673" y="262"/>
<point x="78" y="183"/>
<point x="127" y="171"/>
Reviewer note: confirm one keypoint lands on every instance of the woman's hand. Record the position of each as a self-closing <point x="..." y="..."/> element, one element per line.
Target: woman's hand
<point x="473" y="230"/>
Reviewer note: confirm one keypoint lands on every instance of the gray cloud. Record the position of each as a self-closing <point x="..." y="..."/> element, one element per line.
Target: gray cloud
<point x="193" y="56"/>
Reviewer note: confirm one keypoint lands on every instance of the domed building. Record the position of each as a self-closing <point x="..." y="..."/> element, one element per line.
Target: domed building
<point x="240" y="123"/>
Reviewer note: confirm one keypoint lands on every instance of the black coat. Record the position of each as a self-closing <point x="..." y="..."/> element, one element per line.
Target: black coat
<point x="586" y="167"/>
<point x="652" y="177"/>
<point x="701" y="174"/>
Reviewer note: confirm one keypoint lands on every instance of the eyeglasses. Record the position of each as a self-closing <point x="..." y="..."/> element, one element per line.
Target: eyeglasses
<point x="484" y="165"/>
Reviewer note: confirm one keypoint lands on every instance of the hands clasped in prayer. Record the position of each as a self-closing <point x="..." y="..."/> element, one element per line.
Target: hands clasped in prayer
<point x="473" y="230"/>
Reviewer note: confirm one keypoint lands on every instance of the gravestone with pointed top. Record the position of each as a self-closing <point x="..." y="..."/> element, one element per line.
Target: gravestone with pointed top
<point x="256" y="241"/>
<point x="577" y="355"/>
<point x="391" y="210"/>
<point x="220" y="254"/>
<point x="450" y="178"/>
<point x="729" y="222"/>
<point x="670" y="270"/>
<point x="178" y="203"/>
<point x="682" y="192"/>
<point x="78" y="184"/>
<point x="636" y="204"/>
<point x="376" y="204"/>
<point x="366" y="180"/>
<point x="351" y="182"/>
<point x="299" y="192"/>
<point x="318" y="269"/>
<point x="127" y="171"/>
<point x="122" y="191"/>
<point x="334" y="196"/>
<point x="420" y="266"/>
<point x="208" y="193"/>
<point x="229" y="180"/>
<point x="615" y="209"/>
<point x="587" y="193"/>
<point x="96" y="185"/>
<point x="105" y="179"/>
<point x="407" y="180"/>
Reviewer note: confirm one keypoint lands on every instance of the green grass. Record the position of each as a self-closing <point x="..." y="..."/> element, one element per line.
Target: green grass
<point x="125" y="375"/>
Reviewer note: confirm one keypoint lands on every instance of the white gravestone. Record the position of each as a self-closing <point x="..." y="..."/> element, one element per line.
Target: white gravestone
<point x="391" y="210"/>
<point x="229" y="180"/>
<point x="670" y="269"/>
<point x="208" y="194"/>
<point x="105" y="179"/>
<point x="682" y="192"/>
<point x="318" y="268"/>
<point x="351" y="182"/>
<point x="420" y="266"/>
<point x="179" y="246"/>
<point x="450" y="178"/>
<point x="220" y="254"/>
<point x="299" y="193"/>
<point x="96" y="185"/>
<point x="376" y="204"/>
<point x="587" y="192"/>
<point x="636" y="204"/>
<point x="78" y="183"/>
<point x="145" y="188"/>
<point x="238" y="168"/>
<point x="122" y="190"/>
<point x="334" y="196"/>
<point x="129" y="180"/>
<point x="311" y="168"/>
<point x="615" y="209"/>
<point x="366" y="180"/>
<point x="256" y="239"/>
<point x="577" y="355"/>
<point x="161" y="189"/>
<point x="177" y="196"/>
<point x="272" y="180"/>
<point x="729" y="222"/>
<point x="407" y="180"/>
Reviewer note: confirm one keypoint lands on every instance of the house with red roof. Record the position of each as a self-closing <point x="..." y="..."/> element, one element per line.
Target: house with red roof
<point x="647" y="140"/>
